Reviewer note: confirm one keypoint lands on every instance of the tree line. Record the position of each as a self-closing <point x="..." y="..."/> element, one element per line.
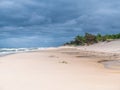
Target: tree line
<point x="89" y="39"/>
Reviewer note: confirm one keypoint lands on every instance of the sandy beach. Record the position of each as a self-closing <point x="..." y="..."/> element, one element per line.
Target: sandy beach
<point x="64" y="68"/>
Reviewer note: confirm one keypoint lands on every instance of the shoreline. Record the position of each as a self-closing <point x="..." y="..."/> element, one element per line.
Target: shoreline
<point x="106" y="57"/>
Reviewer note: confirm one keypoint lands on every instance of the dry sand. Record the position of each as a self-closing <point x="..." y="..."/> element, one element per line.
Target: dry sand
<point x="64" y="68"/>
<point x="109" y="47"/>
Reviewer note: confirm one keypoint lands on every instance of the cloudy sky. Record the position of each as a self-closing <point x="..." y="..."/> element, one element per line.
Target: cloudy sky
<point x="39" y="23"/>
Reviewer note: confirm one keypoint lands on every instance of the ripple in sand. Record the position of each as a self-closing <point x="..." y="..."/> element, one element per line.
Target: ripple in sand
<point x="111" y="64"/>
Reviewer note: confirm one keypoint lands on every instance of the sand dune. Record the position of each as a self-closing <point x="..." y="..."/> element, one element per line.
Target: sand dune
<point x="110" y="47"/>
<point x="65" y="68"/>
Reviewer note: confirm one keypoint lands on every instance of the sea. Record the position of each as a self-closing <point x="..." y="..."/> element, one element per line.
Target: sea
<point x="8" y="51"/>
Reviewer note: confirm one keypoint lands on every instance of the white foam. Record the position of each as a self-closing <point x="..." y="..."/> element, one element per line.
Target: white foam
<point x="7" y="51"/>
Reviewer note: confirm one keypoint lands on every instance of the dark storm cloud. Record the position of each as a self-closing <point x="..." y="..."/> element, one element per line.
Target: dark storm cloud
<point x="90" y="15"/>
<point x="56" y="20"/>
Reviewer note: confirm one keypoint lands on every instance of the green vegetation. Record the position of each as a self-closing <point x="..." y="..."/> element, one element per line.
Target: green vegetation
<point x="89" y="39"/>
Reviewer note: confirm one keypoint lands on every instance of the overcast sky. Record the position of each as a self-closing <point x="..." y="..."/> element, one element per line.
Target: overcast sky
<point x="38" y="23"/>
